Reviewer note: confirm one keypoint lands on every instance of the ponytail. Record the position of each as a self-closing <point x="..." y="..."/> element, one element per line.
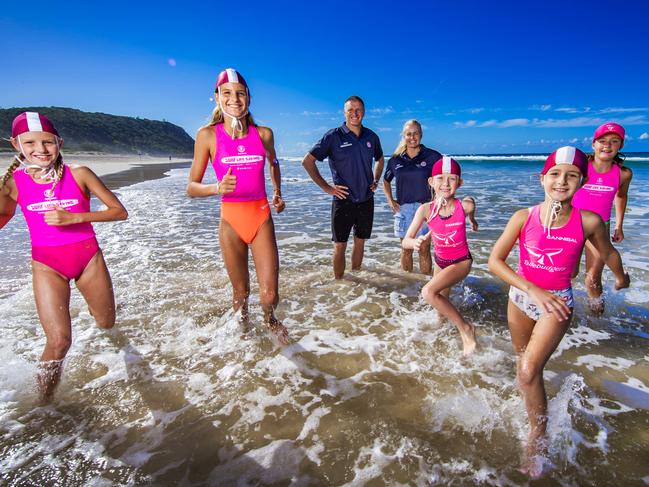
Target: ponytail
<point x="10" y="171"/>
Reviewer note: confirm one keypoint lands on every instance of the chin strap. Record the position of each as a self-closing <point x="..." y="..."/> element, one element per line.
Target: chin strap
<point x="551" y="215"/>
<point x="438" y="203"/>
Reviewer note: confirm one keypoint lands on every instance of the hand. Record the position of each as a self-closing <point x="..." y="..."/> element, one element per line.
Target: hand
<point x="228" y="183"/>
<point x="622" y="283"/>
<point x="374" y="185"/>
<point x="550" y="303"/>
<point x="618" y="235"/>
<point x="338" y="191"/>
<point x="394" y="206"/>
<point x="474" y="224"/>
<point x="420" y="240"/>
<point x="59" y="217"/>
<point x="278" y="203"/>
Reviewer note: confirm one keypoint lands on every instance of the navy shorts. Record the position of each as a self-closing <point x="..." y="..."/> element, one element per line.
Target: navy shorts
<point x="346" y="215"/>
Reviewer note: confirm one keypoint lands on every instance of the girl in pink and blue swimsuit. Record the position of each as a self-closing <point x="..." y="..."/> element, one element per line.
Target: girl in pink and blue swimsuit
<point x="607" y="185"/>
<point x="446" y="217"/>
<point x="551" y="237"/>
<point x="55" y="201"/>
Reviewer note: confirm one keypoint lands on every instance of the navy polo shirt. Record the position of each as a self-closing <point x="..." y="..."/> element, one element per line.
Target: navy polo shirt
<point x="412" y="175"/>
<point x="350" y="159"/>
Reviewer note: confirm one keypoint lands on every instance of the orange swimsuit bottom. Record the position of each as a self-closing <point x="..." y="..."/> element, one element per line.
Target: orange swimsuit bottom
<point x="245" y="217"/>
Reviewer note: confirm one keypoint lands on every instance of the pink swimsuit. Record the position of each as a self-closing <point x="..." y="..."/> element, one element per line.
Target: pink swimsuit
<point x="599" y="191"/>
<point x="67" y="249"/>
<point x="449" y="236"/>
<point x="548" y="260"/>
<point x="246" y="157"/>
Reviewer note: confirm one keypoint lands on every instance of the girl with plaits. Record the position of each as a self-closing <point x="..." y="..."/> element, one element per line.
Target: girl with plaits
<point x="55" y="201"/>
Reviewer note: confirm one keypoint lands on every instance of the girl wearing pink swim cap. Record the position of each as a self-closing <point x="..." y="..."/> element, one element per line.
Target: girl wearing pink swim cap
<point x="607" y="185"/>
<point x="55" y="201"/>
<point x="238" y="149"/>
<point x="551" y="237"/>
<point x="446" y="218"/>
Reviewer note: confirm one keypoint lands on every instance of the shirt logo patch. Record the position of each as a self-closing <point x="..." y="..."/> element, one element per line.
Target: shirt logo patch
<point x="346" y="144"/>
<point x="423" y="164"/>
<point x="542" y="254"/>
<point x="369" y="144"/>
<point x="446" y="238"/>
<point x="398" y="166"/>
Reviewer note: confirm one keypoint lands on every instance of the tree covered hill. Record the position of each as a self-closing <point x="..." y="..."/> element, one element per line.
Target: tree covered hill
<point x="101" y="132"/>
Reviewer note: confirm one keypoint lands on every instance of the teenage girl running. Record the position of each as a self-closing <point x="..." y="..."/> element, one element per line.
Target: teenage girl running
<point x="55" y="201"/>
<point x="551" y="237"/>
<point x="238" y="150"/>
<point x="607" y="183"/>
<point x="446" y="217"/>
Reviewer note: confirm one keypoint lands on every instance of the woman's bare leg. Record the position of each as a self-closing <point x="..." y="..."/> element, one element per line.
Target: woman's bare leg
<point x="52" y="296"/>
<point x="266" y="258"/>
<point x="436" y="293"/>
<point x="96" y="287"/>
<point x="235" y="256"/>
<point x="534" y="343"/>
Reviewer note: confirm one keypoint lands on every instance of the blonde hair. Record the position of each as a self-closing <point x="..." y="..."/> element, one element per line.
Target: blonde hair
<point x="402" y="143"/>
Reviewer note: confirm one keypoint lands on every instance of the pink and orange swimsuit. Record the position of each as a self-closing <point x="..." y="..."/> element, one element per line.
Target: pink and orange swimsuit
<point x="449" y="236"/>
<point x="246" y="208"/>
<point x="69" y="248"/>
<point x="599" y="191"/>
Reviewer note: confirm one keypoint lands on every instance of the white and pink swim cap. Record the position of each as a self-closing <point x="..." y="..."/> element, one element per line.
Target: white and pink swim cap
<point x="446" y="165"/>
<point x="230" y="75"/>
<point x="609" y="128"/>
<point x="32" y="122"/>
<point x="567" y="155"/>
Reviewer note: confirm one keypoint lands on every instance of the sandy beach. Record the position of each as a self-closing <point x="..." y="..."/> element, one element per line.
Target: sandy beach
<point x="116" y="170"/>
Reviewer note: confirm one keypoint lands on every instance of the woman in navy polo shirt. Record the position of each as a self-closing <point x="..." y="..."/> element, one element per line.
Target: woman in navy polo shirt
<point x="410" y="165"/>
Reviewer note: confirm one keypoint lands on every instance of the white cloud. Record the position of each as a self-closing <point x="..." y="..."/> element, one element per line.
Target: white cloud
<point x="543" y="108"/>
<point x="317" y="114"/>
<point x="623" y="110"/>
<point x="574" y="141"/>
<point x="514" y="122"/>
<point x="467" y="124"/>
<point x="644" y="136"/>
<point x="384" y="129"/>
<point x="172" y="62"/>
<point x="381" y="110"/>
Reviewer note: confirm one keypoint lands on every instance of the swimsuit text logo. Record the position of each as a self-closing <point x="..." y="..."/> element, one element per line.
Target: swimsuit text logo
<point x="48" y="194"/>
<point x="242" y="159"/>
<point x="49" y="205"/>
<point x="599" y="188"/>
<point x="241" y="149"/>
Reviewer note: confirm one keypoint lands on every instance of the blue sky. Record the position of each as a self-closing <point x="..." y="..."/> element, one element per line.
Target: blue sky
<point x="482" y="77"/>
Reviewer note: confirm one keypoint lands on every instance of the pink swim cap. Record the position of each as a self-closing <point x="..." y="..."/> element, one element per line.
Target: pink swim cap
<point x="32" y="122"/>
<point x="609" y="128"/>
<point x="567" y="155"/>
<point x="230" y="75"/>
<point x="446" y="165"/>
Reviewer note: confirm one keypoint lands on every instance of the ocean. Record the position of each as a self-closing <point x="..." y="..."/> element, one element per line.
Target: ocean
<point x="373" y="389"/>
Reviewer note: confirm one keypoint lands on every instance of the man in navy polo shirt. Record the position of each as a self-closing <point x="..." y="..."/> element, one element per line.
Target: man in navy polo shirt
<point x="351" y="149"/>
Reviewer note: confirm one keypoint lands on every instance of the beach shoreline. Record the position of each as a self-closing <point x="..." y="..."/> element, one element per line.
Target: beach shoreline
<point x="117" y="170"/>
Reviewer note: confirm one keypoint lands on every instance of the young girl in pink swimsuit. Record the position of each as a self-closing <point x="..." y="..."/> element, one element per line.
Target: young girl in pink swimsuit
<point x="55" y="201"/>
<point x="446" y="217"/>
<point x="607" y="184"/>
<point x="238" y="150"/>
<point x="551" y="237"/>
